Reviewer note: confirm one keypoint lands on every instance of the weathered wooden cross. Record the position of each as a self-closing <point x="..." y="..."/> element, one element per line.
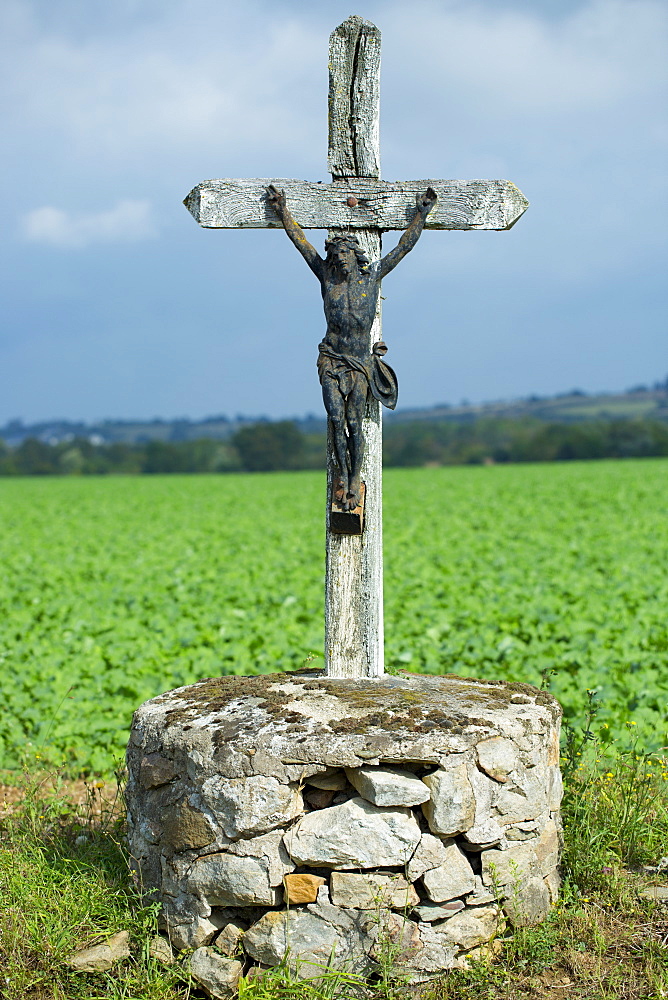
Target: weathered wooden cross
<point x="358" y="201"/>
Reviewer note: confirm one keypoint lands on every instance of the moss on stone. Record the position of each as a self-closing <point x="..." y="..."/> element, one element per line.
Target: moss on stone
<point x="373" y="705"/>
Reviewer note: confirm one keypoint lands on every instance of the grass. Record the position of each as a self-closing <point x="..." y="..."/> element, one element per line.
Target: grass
<point x="64" y="885"/>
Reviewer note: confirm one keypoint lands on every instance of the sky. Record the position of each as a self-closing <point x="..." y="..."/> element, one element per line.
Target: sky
<point x="117" y="305"/>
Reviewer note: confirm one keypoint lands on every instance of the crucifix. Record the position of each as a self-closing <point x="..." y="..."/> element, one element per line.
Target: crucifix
<point x="356" y="209"/>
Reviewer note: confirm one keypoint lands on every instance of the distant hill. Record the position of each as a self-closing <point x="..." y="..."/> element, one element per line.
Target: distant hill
<point x="569" y="407"/>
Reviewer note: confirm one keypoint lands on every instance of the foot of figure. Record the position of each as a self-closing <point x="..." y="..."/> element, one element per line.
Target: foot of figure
<point x="341" y="492"/>
<point x="354" y="493"/>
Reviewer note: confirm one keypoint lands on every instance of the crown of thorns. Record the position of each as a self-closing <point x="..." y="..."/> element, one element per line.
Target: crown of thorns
<point x="348" y="243"/>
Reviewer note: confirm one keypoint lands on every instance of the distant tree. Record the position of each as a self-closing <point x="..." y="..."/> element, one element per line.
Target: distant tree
<point x="7" y="466"/>
<point x="121" y="458"/>
<point x="161" y="456"/>
<point x="71" y="461"/>
<point x="35" y="458"/>
<point x="266" y="447"/>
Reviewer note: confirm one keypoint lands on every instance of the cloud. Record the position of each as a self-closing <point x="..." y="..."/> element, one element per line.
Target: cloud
<point x="593" y="57"/>
<point x="128" y="222"/>
<point x="220" y="85"/>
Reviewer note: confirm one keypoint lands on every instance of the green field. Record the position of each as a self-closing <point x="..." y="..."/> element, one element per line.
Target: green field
<point x="114" y="589"/>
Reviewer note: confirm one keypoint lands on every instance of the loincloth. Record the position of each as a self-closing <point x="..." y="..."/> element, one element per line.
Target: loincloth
<point x="381" y="379"/>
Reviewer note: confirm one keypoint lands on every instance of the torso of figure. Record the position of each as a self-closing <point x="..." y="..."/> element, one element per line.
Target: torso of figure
<point x="350" y="306"/>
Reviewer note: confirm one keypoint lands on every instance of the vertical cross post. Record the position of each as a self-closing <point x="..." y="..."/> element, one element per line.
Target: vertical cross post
<point x="354" y="575"/>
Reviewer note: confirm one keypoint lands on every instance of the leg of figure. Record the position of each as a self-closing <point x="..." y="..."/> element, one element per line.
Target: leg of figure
<point x="355" y="409"/>
<point x="336" y="411"/>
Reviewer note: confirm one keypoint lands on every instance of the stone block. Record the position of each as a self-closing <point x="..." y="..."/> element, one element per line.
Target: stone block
<point x="301" y="888"/>
<point x="497" y="757"/>
<point x="367" y="892"/>
<point x="228" y="942"/>
<point x="156" y="770"/>
<point x="193" y="930"/>
<point x="452" y="878"/>
<point x="485" y="790"/>
<point x="484" y="952"/>
<point x="547" y="847"/>
<point x="319" y="798"/>
<point x="655" y="893"/>
<point x="481" y="895"/>
<point x="331" y="780"/>
<point x="186" y="829"/>
<point x="150" y="830"/>
<point x="402" y="934"/>
<point x="246" y="806"/>
<point x="518" y="803"/>
<point x="309" y="941"/>
<point x="229" y="880"/>
<point x="430" y="853"/>
<point x="354" y="834"/>
<point x="385" y="786"/>
<point x="485" y="834"/>
<point x="435" y="953"/>
<point x="470" y="927"/>
<point x="218" y="976"/>
<point x="269" y="849"/>
<point x="161" y="950"/>
<point x="555" y="788"/>
<point x="508" y="868"/>
<point x="553" y="882"/>
<point x="528" y="903"/>
<point x="102" y="957"/>
<point x="451" y="808"/>
<point x="526" y="831"/>
<point x="431" y="913"/>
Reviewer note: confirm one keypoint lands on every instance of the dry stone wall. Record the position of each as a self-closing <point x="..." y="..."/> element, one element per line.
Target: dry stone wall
<point x="305" y="816"/>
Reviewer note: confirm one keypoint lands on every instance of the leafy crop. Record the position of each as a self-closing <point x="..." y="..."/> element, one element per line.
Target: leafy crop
<point x="113" y="590"/>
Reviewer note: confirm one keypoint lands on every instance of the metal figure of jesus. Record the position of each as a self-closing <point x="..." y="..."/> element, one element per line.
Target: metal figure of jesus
<point x="347" y="369"/>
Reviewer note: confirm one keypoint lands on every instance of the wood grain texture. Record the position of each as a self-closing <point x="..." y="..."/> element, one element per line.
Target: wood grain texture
<point x="383" y="205"/>
<point x="354" y="639"/>
<point x="354" y="99"/>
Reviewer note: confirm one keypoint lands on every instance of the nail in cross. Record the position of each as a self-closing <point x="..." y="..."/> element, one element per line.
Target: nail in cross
<point x="354" y="378"/>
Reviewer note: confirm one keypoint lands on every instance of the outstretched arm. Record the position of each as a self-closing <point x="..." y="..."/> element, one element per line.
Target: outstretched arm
<point x="425" y="203"/>
<point x="278" y="202"/>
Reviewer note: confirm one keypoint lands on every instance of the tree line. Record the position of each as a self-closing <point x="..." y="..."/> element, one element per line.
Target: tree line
<point x="265" y="447"/>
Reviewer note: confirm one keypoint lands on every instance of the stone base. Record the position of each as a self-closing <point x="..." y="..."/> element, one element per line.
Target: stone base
<point x="315" y="816"/>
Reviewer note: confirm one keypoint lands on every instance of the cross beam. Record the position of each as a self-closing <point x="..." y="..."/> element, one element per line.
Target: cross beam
<point x="382" y="205"/>
<point x="356" y="200"/>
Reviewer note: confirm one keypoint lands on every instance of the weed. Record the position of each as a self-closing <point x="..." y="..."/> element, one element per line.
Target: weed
<point x="615" y="804"/>
<point x="65" y="885"/>
<point x="295" y="981"/>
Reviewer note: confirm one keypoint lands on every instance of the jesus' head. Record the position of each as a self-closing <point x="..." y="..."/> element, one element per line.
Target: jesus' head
<point x="344" y="252"/>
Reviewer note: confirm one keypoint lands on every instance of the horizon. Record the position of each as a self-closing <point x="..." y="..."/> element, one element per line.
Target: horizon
<point x="655" y="386"/>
